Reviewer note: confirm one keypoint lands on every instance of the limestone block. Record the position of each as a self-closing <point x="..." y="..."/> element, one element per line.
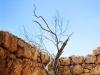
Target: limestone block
<point x="16" y="68"/>
<point x="90" y="59"/>
<point x="77" y="59"/>
<point x="36" y="55"/>
<point x="45" y="58"/>
<point x="1" y="37"/>
<point x="38" y="71"/>
<point x="10" y="42"/>
<point x="88" y="66"/>
<point x="27" y="52"/>
<point x="27" y="70"/>
<point x="65" y="70"/>
<point x="12" y="56"/>
<point x="21" y="43"/>
<point x="86" y="70"/>
<point x="77" y="69"/>
<point x="13" y="44"/>
<point x="96" y="70"/>
<point x="96" y="51"/>
<point x="86" y="74"/>
<point x="64" y="61"/>
<point x="7" y="40"/>
<point x="19" y="52"/>
<point x="2" y="52"/>
<point x="98" y="59"/>
<point x="3" y="67"/>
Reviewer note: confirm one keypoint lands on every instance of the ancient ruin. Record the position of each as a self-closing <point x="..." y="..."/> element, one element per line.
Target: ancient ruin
<point x="18" y="57"/>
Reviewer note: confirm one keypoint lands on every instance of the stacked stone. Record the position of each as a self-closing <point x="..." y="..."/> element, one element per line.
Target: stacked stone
<point x="79" y="65"/>
<point x="96" y="69"/>
<point x="71" y="65"/>
<point x="20" y="58"/>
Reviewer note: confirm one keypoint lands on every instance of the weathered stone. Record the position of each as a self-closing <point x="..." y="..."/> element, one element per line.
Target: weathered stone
<point x="96" y="70"/>
<point x="88" y="66"/>
<point x="64" y="61"/>
<point x="26" y="70"/>
<point x="77" y="69"/>
<point x="86" y="74"/>
<point x="3" y="67"/>
<point x="12" y="56"/>
<point x="20" y="58"/>
<point x="9" y="42"/>
<point x="16" y="68"/>
<point x="90" y="59"/>
<point x="6" y="40"/>
<point x="1" y="37"/>
<point x="36" y="55"/>
<point x="27" y="52"/>
<point x="65" y="70"/>
<point x="96" y="51"/>
<point x="20" y="52"/>
<point x="45" y="58"/>
<point x="21" y="43"/>
<point x="98" y="59"/>
<point x="77" y="59"/>
<point x="2" y="52"/>
<point x="13" y="44"/>
<point x="38" y="71"/>
<point x="86" y="70"/>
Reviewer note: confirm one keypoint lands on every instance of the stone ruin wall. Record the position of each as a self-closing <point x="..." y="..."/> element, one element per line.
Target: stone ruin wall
<point x="79" y="65"/>
<point x="20" y="58"/>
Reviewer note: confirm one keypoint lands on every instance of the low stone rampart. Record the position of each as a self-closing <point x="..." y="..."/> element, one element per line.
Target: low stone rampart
<point x="20" y="58"/>
<point x="79" y="65"/>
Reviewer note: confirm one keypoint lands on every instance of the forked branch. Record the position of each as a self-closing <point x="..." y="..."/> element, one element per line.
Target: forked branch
<point x="56" y="38"/>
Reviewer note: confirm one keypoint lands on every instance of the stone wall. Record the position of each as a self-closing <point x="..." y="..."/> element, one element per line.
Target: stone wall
<point x="79" y="65"/>
<point x="20" y="58"/>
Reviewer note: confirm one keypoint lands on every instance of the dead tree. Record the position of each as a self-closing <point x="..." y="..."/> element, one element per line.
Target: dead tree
<point x="59" y="43"/>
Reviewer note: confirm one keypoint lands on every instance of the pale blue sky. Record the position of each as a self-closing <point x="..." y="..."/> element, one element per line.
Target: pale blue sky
<point x="84" y="17"/>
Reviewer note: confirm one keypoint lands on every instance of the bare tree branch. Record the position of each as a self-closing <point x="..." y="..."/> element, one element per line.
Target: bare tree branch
<point x="57" y="38"/>
<point x="48" y="39"/>
<point x="42" y="19"/>
<point x="48" y="28"/>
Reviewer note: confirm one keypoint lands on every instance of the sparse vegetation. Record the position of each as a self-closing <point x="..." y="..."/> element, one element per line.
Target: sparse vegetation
<point x="56" y="36"/>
